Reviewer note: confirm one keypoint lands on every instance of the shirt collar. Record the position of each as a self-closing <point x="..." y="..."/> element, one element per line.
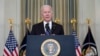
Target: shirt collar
<point x="50" y="23"/>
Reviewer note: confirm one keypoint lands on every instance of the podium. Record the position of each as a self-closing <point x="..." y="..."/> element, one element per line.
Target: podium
<point x="34" y="42"/>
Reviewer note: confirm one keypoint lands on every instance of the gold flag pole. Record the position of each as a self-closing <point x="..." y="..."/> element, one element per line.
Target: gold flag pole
<point x="73" y="22"/>
<point x="11" y="23"/>
<point x="27" y="22"/>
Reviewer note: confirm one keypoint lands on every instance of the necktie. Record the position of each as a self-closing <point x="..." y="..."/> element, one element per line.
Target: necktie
<point x="48" y="31"/>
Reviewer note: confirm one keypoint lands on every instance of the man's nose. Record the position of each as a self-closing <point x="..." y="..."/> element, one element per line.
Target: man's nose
<point x="47" y="14"/>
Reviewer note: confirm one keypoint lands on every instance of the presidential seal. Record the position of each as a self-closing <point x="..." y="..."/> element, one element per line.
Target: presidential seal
<point x="50" y="47"/>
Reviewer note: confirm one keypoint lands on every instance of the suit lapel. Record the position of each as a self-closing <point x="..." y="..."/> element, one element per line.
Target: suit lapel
<point x="42" y="28"/>
<point x="53" y="27"/>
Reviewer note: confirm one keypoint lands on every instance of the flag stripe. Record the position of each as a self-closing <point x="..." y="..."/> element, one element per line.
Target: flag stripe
<point x="6" y="51"/>
<point x="16" y="51"/>
<point x="13" y="53"/>
<point x="79" y="49"/>
<point x="78" y="52"/>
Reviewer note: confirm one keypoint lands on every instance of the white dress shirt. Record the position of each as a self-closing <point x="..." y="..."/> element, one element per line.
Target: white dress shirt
<point x="50" y="25"/>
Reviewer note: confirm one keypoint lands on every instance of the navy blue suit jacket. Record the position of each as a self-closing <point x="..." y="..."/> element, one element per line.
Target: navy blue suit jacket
<point x="38" y="29"/>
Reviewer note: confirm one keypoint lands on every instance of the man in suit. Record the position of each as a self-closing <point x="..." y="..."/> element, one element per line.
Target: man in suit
<point x="47" y="26"/>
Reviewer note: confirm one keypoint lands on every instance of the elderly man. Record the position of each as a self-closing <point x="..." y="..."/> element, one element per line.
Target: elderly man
<point x="47" y="26"/>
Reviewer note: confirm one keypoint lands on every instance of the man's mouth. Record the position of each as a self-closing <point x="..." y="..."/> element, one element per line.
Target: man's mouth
<point x="46" y="17"/>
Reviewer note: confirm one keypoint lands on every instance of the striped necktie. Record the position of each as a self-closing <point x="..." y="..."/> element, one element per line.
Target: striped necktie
<point x="48" y="31"/>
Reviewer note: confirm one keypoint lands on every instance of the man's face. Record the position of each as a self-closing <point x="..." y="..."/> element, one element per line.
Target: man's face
<point x="46" y="13"/>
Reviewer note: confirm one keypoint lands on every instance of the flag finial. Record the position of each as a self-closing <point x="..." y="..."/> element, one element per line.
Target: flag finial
<point x="88" y="21"/>
<point x="27" y="21"/>
<point x="57" y="20"/>
<point x="10" y="22"/>
<point x="73" y="22"/>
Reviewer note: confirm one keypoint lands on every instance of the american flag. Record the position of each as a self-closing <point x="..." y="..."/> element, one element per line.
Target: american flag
<point x="77" y="45"/>
<point x="11" y="46"/>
